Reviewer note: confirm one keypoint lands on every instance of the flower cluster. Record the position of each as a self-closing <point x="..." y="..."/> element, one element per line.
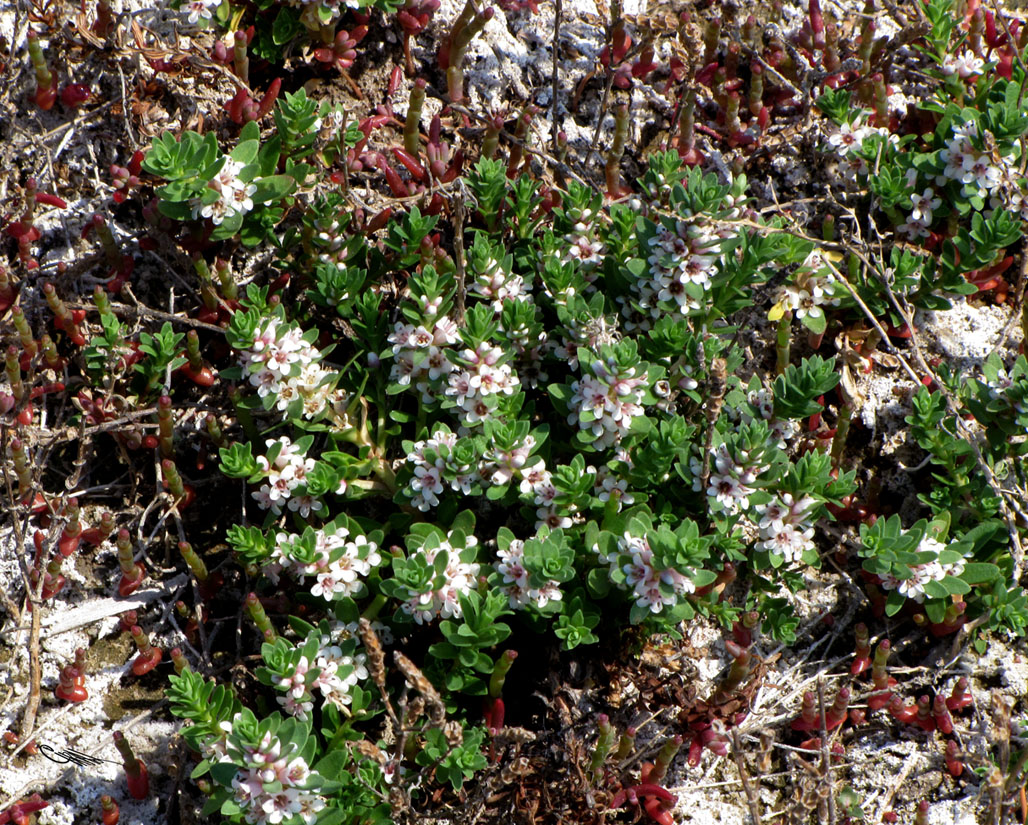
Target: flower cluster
<point x="811" y="287"/>
<point x="515" y="579"/>
<point x="495" y="280"/>
<point x="590" y="335"/>
<point x="475" y="389"/>
<point x="420" y="357"/>
<point x="606" y="399"/>
<point x="848" y="143"/>
<point x="732" y="478"/>
<point x="285" y="482"/>
<point x="285" y="367"/>
<point x="234" y="196"/>
<point x="912" y="587"/>
<point x="337" y="561"/>
<point x="610" y="486"/>
<point x="785" y="526"/>
<point x="271" y="785"/>
<point x="762" y="401"/>
<point x="981" y="171"/>
<point x="335" y="674"/>
<point x="584" y="247"/>
<point x="459" y="576"/>
<point x="631" y="569"/>
<point x="683" y="258"/>
<point x="437" y="462"/>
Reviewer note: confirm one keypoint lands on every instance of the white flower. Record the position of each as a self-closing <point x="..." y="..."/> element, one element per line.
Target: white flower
<point x="965" y="66"/>
<point x="847" y="137"/>
<point x="198" y="10"/>
<point x="923" y="206"/>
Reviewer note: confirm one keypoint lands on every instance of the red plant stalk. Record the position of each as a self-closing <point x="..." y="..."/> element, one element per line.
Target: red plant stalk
<point x="53" y="581"/>
<point x="46" y="82"/>
<point x="178" y="659"/>
<point x="71" y="535"/>
<point x="954" y="764"/>
<point x="862" y="661"/>
<point x="127" y="620"/>
<point x="149" y="656"/>
<point x="747" y="629"/>
<point x="109" y="813"/>
<point x="664" y="758"/>
<point x="900" y="712"/>
<point x="954" y="619"/>
<point x="520" y="139"/>
<point x="195" y="369"/>
<point x="8" y="292"/>
<point x="817" y="24"/>
<point x="943" y="720"/>
<point x="343" y="51"/>
<point x="182" y="493"/>
<point x="412" y="123"/>
<point x="260" y="617"/>
<point x="413" y="18"/>
<point x="808" y="719"/>
<point x="96" y="536"/>
<point x="19" y="812"/>
<point x="74" y="95"/>
<point x="453" y="48"/>
<point x="240" y="61"/>
<point x="959" y="698"/>
<point x="71" y="687"/>
<point x="655" y="800"/>
<point x="836" y="714"/>
<point x="880" y="678"/>
<point x="738" y="671"/>
<point x="687" y="150"/>
<point x="135" y="770"/>
<point x="132" y="572"/>
<point x="65" y="320"/>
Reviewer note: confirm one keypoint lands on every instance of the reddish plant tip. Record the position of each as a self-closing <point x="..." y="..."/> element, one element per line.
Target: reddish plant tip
<point x="149" y="656"/>
<point x="959" y="698"/>
<point x="136" y="774"/>
<point x="144" y="664"/>
<point x="110" y="815"/>
<point x="130" y="582"/>
<point x="74" y="95"/>
<point x="75" y="693"/>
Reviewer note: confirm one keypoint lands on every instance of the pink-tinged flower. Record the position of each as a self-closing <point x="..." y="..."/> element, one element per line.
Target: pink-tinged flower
<point x="847" y="137"/>
<point x="553" y="519"/>
<point x="980" y="173"/>
<point x="400" y="336"/>
<point x="445" y="332"/>
<point x="305" y="505"/>
<point x="923" y="205"/>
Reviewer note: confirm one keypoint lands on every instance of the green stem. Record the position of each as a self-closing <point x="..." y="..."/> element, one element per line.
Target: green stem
<point x="371" y="612"/>
<point x="782" y="346"/>
<point x="842" y="428"/>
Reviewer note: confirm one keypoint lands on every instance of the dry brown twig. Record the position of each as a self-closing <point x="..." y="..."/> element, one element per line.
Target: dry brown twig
<point x="752" y="800"/>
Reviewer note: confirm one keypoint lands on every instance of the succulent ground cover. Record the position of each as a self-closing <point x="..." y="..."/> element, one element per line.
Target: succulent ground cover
<point x="538" y="413"/>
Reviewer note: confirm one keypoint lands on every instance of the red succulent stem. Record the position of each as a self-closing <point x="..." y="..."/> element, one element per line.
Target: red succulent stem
<point x="959" y="698"/>
<point x="149" y="656"/>
<point x="109" y="813"/>
<point x="862" y="661"/>
<point x="135" y="770"/>
<point x="19" y="812"/>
